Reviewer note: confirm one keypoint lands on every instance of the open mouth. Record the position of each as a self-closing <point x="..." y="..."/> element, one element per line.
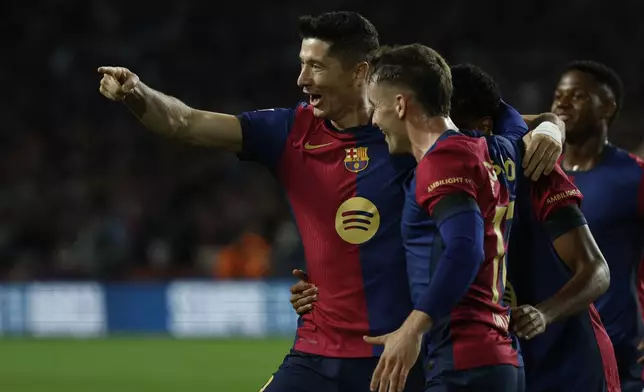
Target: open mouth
<point x="564" y="117"/>
<point x="314" y="99"/>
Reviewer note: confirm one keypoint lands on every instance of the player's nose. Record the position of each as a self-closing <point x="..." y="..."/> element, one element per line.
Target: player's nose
<point x="305" y="79"/>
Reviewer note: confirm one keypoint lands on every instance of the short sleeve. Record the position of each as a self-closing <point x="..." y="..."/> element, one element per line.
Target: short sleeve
<point x="447" y="169"/>
<point x="264" y="134"/>
<point x="509" y="123"/>
<point x="552" y="192"/>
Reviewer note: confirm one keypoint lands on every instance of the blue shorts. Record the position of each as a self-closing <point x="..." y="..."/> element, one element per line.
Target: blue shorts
<point x="302" y="372"/>
<point x="498" y="378"/>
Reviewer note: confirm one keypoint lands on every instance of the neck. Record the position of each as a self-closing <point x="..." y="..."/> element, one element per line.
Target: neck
<point x="424" y="131"/>
<point x="356" y="115"/>
<point x="584" y="154"/>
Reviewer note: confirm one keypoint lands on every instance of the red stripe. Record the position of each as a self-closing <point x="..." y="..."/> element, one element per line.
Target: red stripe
<point x="317" y="183"/>
<point x="611" y="372"/>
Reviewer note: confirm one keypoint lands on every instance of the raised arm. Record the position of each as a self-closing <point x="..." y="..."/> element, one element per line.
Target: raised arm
<point x="169" y="116"/>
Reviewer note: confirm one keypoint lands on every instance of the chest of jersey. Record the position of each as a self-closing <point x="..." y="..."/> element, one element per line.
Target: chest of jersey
<point x="610" y="199"/>
<point x="610" y="205"/>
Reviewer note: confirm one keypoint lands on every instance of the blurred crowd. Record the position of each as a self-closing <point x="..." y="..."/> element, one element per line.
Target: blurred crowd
<point x="87" y="192"/>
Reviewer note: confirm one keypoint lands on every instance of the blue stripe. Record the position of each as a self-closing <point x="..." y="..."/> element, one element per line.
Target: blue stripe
<point x="383" y="257"/>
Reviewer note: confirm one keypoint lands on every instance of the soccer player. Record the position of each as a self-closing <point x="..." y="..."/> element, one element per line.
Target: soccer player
<point x="551" y="287"/>
<point x="344" y="189"/>
<point x="588" y="98"/>
<point x="461" y="306"/>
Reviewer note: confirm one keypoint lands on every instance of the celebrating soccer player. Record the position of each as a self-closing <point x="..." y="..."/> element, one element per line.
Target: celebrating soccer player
<point x="588" y="98"/>
<point x="345" y="191"/>
<point x="553" y="285"/>
<point x="454" y="222"/>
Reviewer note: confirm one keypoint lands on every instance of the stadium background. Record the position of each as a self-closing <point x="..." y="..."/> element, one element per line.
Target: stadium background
<point x="133" y="263"/>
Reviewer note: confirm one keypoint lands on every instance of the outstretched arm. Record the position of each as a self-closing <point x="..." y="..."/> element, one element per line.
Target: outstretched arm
<point x="169" y="116"/>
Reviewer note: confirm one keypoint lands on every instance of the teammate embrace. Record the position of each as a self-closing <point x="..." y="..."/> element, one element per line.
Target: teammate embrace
<point x="407" y="221"/>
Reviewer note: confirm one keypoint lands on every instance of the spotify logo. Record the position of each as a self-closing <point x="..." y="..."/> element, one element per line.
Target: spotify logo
<point x="357" y="220"/>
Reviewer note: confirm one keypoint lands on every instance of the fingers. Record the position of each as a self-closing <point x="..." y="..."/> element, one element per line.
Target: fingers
<point x="548" y="162"/>
<point x="384" y="376"/>
<point x="375" y="339"/>
<point x="375" y="378"/>
<point x="531" y="330"/>
<point x="541" y="166"/>
<point x="552" y="161"/>
<point x="533" y="155"/>
<point x="125" y="78"/>
<point x="394" y="377"/>
<point x="111" y="88"/>
<point x="131" y="80"/>
<point x="300" y="287"/>
<point x="106" y="93"/>
<point x="305" y="304"/>
<point x="106" y="70"/>
<point x="402" y="381"/>
<point x="542" y="154"/>
<point x="522" y="318"/>
<point x="301" y="275"/>
<point x="527" y="323"/>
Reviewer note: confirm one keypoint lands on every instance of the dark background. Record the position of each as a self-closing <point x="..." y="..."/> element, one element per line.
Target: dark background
<point x="87" y="192"/>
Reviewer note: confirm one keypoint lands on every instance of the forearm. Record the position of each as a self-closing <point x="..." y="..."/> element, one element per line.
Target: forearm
<point x="458" y="265"/>
<point x="159" y="112"/>
<point x="587" y="284"/>
<point x="170" y="117"/>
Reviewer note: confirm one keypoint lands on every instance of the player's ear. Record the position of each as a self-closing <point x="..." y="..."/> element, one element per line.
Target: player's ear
<point x="401" y="106"/>
<point x="485" y="125"/>
<point x="608" y="109"/>
<point x="360" y="73"/>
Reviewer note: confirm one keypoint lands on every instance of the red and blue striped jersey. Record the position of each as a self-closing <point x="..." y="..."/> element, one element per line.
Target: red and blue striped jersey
<point x="476" y="332"/>
<point x="614" y="208"/>
<point x="346" y="195"/>
<point x="574" y="354"/>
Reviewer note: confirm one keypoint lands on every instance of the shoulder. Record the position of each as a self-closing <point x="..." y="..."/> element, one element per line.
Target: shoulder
<point x="619" y="156"/>
<point x="629" y="165"/>
<point x="451" y="157"/>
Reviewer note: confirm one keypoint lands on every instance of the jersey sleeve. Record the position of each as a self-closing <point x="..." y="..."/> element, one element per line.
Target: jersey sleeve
<point x="509" y="123"/>
<point x="264" y="134"/>
<point x="552" y="192"/>
<point x="447" y="169"/>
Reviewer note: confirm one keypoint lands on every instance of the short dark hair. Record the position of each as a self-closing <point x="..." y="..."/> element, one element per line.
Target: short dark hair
<point x="603" y="74"/>
<point x="351" y="36"/>
<point x="476" y="94"/>
<point x="418" y="68"/>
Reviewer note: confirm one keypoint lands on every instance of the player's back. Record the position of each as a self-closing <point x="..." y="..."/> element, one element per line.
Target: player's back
<point x="475" y="334"/>
<point x="614" y="208"/>
<point x="345" y="191"/>
<point x="568" y="355"/>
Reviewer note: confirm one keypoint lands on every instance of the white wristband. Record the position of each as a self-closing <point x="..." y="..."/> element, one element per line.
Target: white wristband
<point x="550" y="129"/>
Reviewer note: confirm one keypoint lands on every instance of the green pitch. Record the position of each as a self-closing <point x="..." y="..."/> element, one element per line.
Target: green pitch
<point x="138" y="365"/>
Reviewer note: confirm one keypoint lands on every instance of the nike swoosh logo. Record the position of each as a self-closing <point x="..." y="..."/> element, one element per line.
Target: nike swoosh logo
<point x="309" y="146"/>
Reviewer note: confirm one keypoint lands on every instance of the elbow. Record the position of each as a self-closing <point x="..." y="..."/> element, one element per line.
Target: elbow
<point x="596" y="277"/>
<point x="601" y="276"/>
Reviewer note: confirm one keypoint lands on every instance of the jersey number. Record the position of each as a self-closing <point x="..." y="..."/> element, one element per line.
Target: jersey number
<point x="502" y="214"/>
